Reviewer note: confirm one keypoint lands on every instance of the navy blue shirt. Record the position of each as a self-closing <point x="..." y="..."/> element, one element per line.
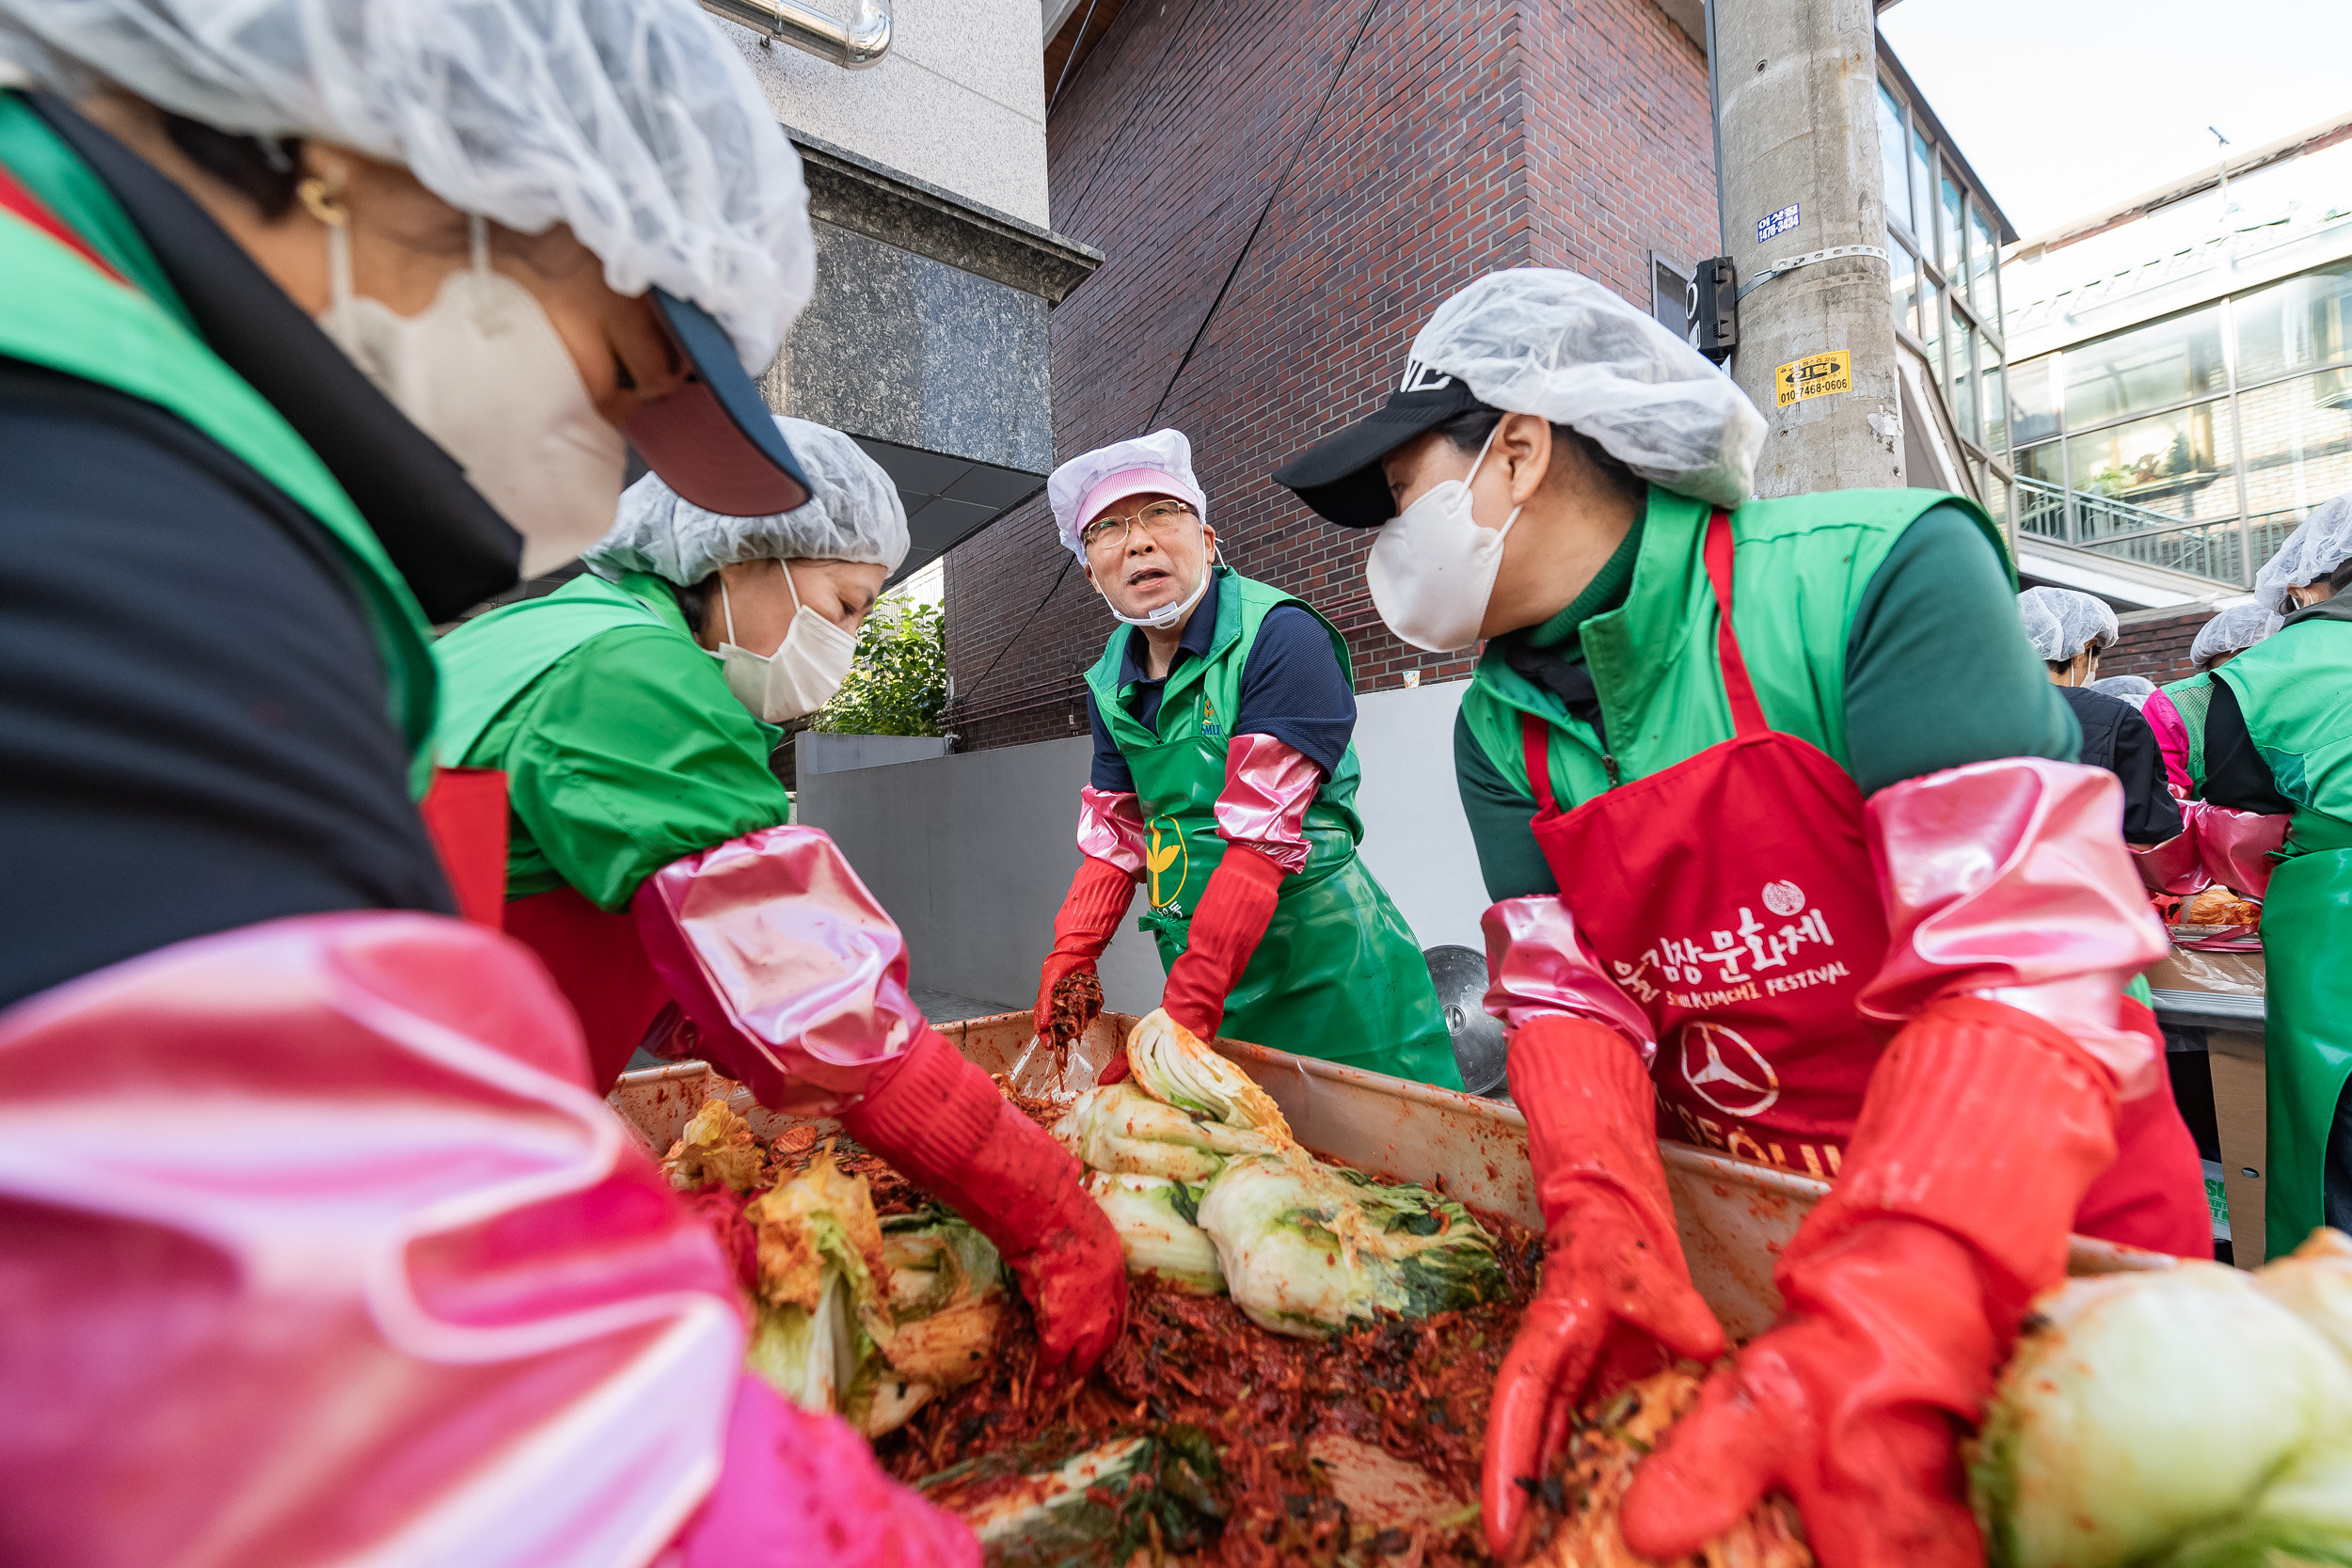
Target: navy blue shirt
<point x="1292" y="689"/>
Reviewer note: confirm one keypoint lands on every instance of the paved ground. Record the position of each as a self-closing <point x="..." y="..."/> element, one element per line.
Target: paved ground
<point x="946" y="1007"/>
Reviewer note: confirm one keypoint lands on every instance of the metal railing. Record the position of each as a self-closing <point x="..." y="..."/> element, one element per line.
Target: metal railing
<point x="2089" y="521"/>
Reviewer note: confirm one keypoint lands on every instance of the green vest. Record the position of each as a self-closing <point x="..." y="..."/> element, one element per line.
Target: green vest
<point x="62" y="312"/>
<point x="1800" y="568"/>
<point x="649" y="757"/>
<point x="2294" y="688"/>
<point x="1338" y="973"/>
<point x="2191" y="698"/>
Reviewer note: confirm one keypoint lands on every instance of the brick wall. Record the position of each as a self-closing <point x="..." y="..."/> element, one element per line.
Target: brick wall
<point x="2155" y="646"/>
<point x="1462" y="137"/>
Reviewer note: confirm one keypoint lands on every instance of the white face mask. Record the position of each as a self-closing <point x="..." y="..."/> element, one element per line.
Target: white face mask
<point x="1432" y="569"/>
<point x="484" y="374"/>
<point x="804" y="673"/>
<point x="1168" y="614"/>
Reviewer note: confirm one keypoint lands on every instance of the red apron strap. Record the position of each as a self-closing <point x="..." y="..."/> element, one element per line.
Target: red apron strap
<point x="464" y="816"/>
<point x="16" y="199"/>
<point x="1747" y="714"/>
<point x="1535" y="744"/>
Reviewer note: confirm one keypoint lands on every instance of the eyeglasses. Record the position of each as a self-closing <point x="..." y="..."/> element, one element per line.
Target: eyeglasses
<point x="1156" y="518"/>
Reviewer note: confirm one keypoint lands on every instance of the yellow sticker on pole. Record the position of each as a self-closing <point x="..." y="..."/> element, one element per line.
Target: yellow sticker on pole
<point x="1815" y="375"/>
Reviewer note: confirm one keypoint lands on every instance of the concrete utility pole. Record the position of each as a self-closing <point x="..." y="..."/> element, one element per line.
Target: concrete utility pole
<point x="1796" y="100"/>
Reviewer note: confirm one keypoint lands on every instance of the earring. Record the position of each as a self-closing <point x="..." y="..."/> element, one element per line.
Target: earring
<point x="322" y="197"/>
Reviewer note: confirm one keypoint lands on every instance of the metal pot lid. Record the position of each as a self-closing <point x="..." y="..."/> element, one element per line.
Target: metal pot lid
<point x="1479" y="1051"/>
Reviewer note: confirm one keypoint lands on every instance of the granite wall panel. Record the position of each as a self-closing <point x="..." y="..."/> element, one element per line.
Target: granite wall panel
<point x="1276" y="228"/>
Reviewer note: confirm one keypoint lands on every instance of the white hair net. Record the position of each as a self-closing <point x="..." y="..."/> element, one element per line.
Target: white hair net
<point x="2234" y="631"/>
<point x="2311" y="552"/>
<point x="853" y="513"/>
<point x="2060" y="623"/>
<point x="2135" y="690"/>
<point x="1164" y="451"/>
<point x="1558" y="345"/>
<point x="634" y="122"/>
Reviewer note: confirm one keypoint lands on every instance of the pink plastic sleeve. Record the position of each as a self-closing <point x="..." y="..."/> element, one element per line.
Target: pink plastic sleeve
<point x="792" y="974"/>
<point x="804" y="1491"/>
<point x="2176" y="865"/>
<point x="1539" y="963"/>
<point x="2009" y="881"/>
<point x="1268" y="787"/>
<point x="320" y="1252"/>
<point x="1111" y="829"/>
<point x="2237" y="846"/>
<point x="2171" y="740"/>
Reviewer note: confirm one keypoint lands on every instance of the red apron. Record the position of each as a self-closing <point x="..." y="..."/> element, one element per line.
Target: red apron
<point x="600" y="966"/>
<point x="1732" y="898"/>
<point x="596" y="957"/>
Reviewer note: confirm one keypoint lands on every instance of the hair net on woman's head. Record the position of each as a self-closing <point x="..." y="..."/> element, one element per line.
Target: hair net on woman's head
<point x="2233" y="631"/>
<point x="1558" y="345"/>
<point x="853" y="513"/>
<point x="1082" y="487"/>
<point x="2134" y="690"/>
<point x="634" y="122"/>
<point x="2061" y="623"/>
<point x="2312" y="552"/>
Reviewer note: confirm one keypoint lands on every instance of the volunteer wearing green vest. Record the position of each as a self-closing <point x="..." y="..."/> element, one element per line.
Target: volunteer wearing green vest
<point x="319" y="314"/>
<point x="1771" y="798"/>
<point x="2177" y="711"/>
<point x="239" y="374"/>
<point x="632" y="711"/>
<point x="1224" y="780"/>
<point x="651" y="856"/>
<point x="2273" y="820"/>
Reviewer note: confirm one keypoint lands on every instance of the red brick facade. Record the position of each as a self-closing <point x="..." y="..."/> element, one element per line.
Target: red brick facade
<point x="2156" y="648"/>
<point x="1461" y="137"/>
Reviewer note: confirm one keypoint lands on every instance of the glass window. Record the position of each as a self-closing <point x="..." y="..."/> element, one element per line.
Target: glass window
<point x="2031" y="412"/>
<point x="1922" y="189"/>
<point x="1891" y="140"/>
<point x="1981" y="257"/>
<point x="2163" y="362"/>
<point x="1996" y="406"/>
<point x="1947" y="231"/>
<point x="1903" y="274"/>
<point x="2045" y="463"/>
<point x="2296" y="437"/>
<point x="2151" y="472"/>
<point x="1964" y="395"/>
<point x="2299" y="324"/>
<point x="1931" y="327"/>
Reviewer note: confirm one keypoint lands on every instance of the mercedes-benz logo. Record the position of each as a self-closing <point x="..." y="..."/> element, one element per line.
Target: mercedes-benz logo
<point x="1728" y="1073"/>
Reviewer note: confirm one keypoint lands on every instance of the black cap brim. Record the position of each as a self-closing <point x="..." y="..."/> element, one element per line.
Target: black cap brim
<point x="1340" y="475"/>
<point x="712" y="440"/>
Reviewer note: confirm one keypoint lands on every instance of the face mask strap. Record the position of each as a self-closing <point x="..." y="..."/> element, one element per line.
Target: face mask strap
<point x="1514" y="518"/>
<point x="478" y="241"/>
<point x="726" y="608"/>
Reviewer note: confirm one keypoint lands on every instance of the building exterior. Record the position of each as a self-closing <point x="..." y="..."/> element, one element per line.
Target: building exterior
<point x="937" y="265"/>
<point x="1282" y="194"/>
<point x="2180" y="389"/>
<point x="1944" y="242"/>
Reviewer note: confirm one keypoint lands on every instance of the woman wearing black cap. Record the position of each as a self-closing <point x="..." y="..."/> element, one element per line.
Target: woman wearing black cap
<point x="1782" y="838"/>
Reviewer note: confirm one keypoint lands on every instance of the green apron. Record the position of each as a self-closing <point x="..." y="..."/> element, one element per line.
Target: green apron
<point x="1338" y="973"/>
<point x="2307" y="1033"/>
<point x="2295" y="692"/>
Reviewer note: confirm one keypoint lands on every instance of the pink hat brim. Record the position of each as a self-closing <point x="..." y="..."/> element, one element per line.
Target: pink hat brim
<point x="1131" y="481"/>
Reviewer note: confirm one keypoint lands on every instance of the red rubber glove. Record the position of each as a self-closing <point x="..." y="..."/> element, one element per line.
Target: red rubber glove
<point x="1225" y="931"/>
<point x="1098" y="895"/>
<point x="1903" y="1289"/>
<point x="939" y="1120"/>
<point x="1615" y="1281"/>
